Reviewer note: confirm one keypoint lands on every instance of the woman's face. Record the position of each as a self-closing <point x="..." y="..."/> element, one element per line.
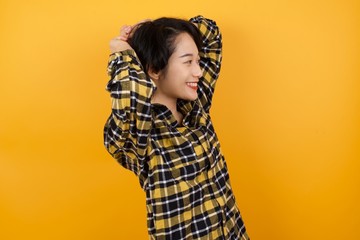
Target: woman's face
<point x="179" y="79"/>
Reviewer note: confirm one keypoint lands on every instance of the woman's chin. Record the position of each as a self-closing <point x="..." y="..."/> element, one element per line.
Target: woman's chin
<point x="191" y="98"/>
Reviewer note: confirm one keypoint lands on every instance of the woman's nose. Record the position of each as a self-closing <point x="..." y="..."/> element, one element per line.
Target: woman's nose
<point x="197" y="71"/>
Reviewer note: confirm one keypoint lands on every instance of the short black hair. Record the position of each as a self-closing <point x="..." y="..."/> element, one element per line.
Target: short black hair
<point x="153" y="41"/>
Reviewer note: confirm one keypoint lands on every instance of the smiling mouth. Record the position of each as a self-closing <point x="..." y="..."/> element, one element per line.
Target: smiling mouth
<point x="192" y="85"/>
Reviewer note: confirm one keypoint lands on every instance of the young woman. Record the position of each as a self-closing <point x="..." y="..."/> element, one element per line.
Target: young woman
<point x="162" y="79"/>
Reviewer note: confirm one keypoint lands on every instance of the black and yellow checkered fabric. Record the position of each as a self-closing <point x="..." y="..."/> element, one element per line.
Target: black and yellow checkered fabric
<point x="180" y="166"/>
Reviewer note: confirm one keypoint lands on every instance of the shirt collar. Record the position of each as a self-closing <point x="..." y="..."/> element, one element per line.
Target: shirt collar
<point x="191" y="111"/>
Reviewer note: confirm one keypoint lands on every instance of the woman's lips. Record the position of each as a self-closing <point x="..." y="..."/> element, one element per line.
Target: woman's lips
<point x="192" y="85"/>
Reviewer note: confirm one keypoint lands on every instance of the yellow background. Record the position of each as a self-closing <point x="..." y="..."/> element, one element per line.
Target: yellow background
<point x="286" y="110"/>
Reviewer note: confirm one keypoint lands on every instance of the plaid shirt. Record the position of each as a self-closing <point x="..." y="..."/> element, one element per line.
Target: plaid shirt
<point x="180" y="166"/>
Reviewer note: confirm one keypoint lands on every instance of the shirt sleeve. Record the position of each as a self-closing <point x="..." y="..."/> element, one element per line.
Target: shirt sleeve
<point x="127" y="129"/>
<point x="210" y="58"/>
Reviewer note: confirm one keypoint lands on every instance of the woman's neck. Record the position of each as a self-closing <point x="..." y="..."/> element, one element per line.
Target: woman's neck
<point x="170" y="103"/>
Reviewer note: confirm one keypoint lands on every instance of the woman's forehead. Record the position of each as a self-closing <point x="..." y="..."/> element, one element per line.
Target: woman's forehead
<point x="185" y="45"/>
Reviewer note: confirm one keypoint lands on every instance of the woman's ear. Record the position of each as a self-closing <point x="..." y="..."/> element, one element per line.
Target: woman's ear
<point x="154" y="75"/>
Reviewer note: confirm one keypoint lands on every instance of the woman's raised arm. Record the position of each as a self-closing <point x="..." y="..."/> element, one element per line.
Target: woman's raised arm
<point x="127" y="129"/>
<point x="210" y="58"/>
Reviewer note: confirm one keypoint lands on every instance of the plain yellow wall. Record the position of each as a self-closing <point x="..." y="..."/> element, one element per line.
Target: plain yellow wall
<point x="286" y="109"/>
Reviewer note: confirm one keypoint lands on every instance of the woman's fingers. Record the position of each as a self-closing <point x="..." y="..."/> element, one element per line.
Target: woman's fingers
<point x="120" y="38"/>
<point x="125" y="31"/>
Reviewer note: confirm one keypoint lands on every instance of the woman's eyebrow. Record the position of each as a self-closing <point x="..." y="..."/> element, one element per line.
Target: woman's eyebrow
<point x="187" y="55"/>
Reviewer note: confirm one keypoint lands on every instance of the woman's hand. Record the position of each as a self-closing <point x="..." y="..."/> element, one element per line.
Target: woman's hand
<point x="119" y="43"/>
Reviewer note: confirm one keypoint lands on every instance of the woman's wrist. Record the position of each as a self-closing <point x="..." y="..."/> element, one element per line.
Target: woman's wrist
<point x="117" y="45"/>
